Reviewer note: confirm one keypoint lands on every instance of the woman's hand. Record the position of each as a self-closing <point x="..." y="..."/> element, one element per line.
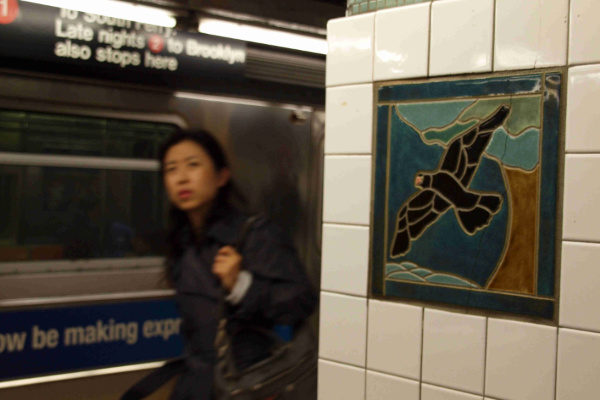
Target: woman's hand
<point x="227" y="266"/>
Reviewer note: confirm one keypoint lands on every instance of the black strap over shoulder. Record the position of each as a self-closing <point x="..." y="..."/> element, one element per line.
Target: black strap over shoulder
<point x="151" y="382"/>
<point x="239" y="243"/>
<point x="243" y="232"/>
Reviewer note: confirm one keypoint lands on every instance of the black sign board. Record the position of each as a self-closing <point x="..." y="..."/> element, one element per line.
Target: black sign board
<point x="68" y="37"/>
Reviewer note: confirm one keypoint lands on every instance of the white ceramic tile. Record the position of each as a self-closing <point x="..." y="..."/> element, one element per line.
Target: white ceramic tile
<point x="350" y="55"/>
<point x="345" y="259"/>
<point x="394" y="342"/>
<point x="585" y="31"/>
<point x="387" y="387"/>
<point x="580" y="286"/>
<point x="581" y="215"/>
<point x="578" y="365"/>
<point x="349" y="118"/>
<point x="401" y="42"/>
<point x="429" y="392"/>
<point x="530" y="34"/>
<point x="583" y="117"/>
<point x="338" y="381"/>
<point x="347" y="191"/>
<point x="461" y="36"/>
<point x="454" y="350"/>
<point x="521" y="360"/>
<point x="343" y="328"/>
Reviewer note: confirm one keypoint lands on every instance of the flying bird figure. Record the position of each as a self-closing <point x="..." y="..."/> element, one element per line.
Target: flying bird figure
<point x="448" y="187"/>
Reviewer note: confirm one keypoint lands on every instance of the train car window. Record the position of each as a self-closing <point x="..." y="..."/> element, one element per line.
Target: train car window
<point x="79" y="188"/>
<point x="30" y="132"/>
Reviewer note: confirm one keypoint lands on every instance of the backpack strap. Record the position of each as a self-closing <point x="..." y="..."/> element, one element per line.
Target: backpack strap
<point x="222" y="341"/>
<point x="238" y="244"/>
<point x="151" y="382"/>
<point x="243" y="232"/>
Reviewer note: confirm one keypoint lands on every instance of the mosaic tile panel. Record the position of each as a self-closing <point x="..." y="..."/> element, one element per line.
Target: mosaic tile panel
<point x="355" y="7"/>
<point x="465" y="192"/>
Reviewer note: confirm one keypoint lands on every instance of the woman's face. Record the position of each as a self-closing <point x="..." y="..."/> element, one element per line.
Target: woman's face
<point x="191" y="179"/>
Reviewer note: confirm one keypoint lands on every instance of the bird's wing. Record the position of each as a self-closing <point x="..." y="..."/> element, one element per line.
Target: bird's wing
<point x="463" y="155"/>
<point x="464" y="152"/>
<point x="452" y="156"/>
<point x="471" y="156"/>
<point x="459" y="159"/>
<point x="422" y="198"/>
<point x="416" y="229"/>
<point x="415" y="208"/>
<point x="476" y="140"/>
<point x="415" y="215"/>
<point x="480" y="216"/>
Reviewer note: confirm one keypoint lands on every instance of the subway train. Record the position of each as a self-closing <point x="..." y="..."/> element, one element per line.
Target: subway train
<point x="84" y="307"/>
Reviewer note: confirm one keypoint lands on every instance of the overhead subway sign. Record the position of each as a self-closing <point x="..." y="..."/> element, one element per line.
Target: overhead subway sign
<point x="61" y="35"/>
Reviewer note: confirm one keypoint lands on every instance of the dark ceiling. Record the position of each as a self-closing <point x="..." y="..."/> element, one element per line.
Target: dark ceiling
<point x="299" y="14"/>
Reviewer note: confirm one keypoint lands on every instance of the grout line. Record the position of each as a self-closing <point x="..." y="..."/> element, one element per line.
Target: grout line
<point x="373" y="39"/>
<point x="556" y="363"/>
<point x="348" y="154"/>
<point x="485" y="348"/>
<point x="571" y="328"/>
<point x="343" y="294"/>
<point x="492" y="61"/>
<point x="347" y="84"/>
<point x="539" y="36"/>
<point x="453" y="389"/>
<point x="393" y="375"/>
<point x="341" y="224"/>
<point x="584" y="64"/>
<point x="347" y="224"/>
<point x="569" y="33"/>
<point x="366" y="345"/>
<point x="429" y="44"/>
<point x="342" y="363"/>
<point x="422" y="345"/>
<point x="581" y="153"/>
<point x="576" y="241"/>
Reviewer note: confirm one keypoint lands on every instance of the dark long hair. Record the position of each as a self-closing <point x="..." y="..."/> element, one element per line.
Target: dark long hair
<point x="179" y="231"/>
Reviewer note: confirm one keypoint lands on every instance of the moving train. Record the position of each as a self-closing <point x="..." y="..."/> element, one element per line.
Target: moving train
<point x="82" y="208"/>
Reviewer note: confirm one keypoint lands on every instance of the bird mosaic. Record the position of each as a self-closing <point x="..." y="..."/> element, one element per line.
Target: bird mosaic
<point x="447" y="187"/>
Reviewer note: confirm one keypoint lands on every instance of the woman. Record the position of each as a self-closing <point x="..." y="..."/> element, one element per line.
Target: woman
<point x="264" y="283"/>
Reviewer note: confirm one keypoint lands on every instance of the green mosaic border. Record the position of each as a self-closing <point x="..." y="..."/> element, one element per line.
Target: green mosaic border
<point x="356" y="7"/>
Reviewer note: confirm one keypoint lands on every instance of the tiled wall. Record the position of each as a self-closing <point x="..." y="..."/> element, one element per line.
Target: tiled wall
<point x="375" y="350"/>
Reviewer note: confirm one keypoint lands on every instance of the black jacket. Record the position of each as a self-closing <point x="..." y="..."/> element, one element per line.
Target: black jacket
<point x="280" y="293"/>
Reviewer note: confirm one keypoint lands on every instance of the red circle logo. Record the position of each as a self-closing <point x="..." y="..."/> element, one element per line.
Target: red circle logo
<point x="155" y="43"/>
<point x="9" y="10"/>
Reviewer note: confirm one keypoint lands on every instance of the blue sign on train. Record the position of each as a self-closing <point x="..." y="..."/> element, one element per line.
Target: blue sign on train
<point x="57" y="340"/>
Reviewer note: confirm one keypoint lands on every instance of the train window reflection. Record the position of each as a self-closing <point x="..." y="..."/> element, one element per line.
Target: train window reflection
<point x="31" y="132"/>
<point x="69" y="213"/>
<point x="90" y="209"/>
